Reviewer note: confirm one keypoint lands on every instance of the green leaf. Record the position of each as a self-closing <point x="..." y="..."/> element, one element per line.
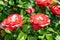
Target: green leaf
<point x="6" y="0"/>
<point x="22" y="36"/>
<point x="2" y="3"/>
<point x="16" y="31"/>
<point x="26" y="27"/>
<point x="19" y="2"/>
<point x="7" y="37"/>
<point x="31" y="38"/>
<point x="47" y="11"/>
<point x="8" y="31"/>
<point x="26" y="5"/>
<point x="41" y="37"/>
<point x="51" y="30"/>
<point x="1" y="8"/>
<point x="57" y="37"/>
<point x="49" y="36"/>
<point x="26" y="19"/>
<point x="41" y="31"/>
<point x="2" y="16"/>
<point x="22" y="12"/>
<point x="3" y="33"/>
<point x="11" y="2"/>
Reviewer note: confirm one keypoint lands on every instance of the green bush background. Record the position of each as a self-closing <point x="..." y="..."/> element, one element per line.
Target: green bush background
<point x="50" y="32"/>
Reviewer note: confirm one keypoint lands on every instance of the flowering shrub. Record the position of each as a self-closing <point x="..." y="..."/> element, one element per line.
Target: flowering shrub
<point x="29" y="20"/>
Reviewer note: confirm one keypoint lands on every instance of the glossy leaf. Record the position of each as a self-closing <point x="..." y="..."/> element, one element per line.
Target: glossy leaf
<point x="22" y="36"/>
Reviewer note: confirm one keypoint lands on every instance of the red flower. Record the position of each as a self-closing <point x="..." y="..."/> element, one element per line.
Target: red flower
<point x="39" y="21"/>
<point x="55" y="9"/>
<point x="43" y="2"/>
<point x="30" y="10"/>
<point x="12" y="21"/>
<point x="35" y="26"/>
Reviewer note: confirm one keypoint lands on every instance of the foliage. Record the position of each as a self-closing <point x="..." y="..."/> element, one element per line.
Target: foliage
<point x="50" y="32"/>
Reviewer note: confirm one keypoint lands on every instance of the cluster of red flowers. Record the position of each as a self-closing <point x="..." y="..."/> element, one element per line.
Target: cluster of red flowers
<point x="37" y="20"/>
<point x="54" y="9"/>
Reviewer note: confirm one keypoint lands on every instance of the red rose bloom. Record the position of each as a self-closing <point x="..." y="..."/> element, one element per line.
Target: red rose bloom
<point x="39" y="21"/>
<point x="12" y="21"/>
<point x="55" y="10"/>
<point x="43" y="2"/>
<point x="30" y="10"/>
<point x="35" y="26"/>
